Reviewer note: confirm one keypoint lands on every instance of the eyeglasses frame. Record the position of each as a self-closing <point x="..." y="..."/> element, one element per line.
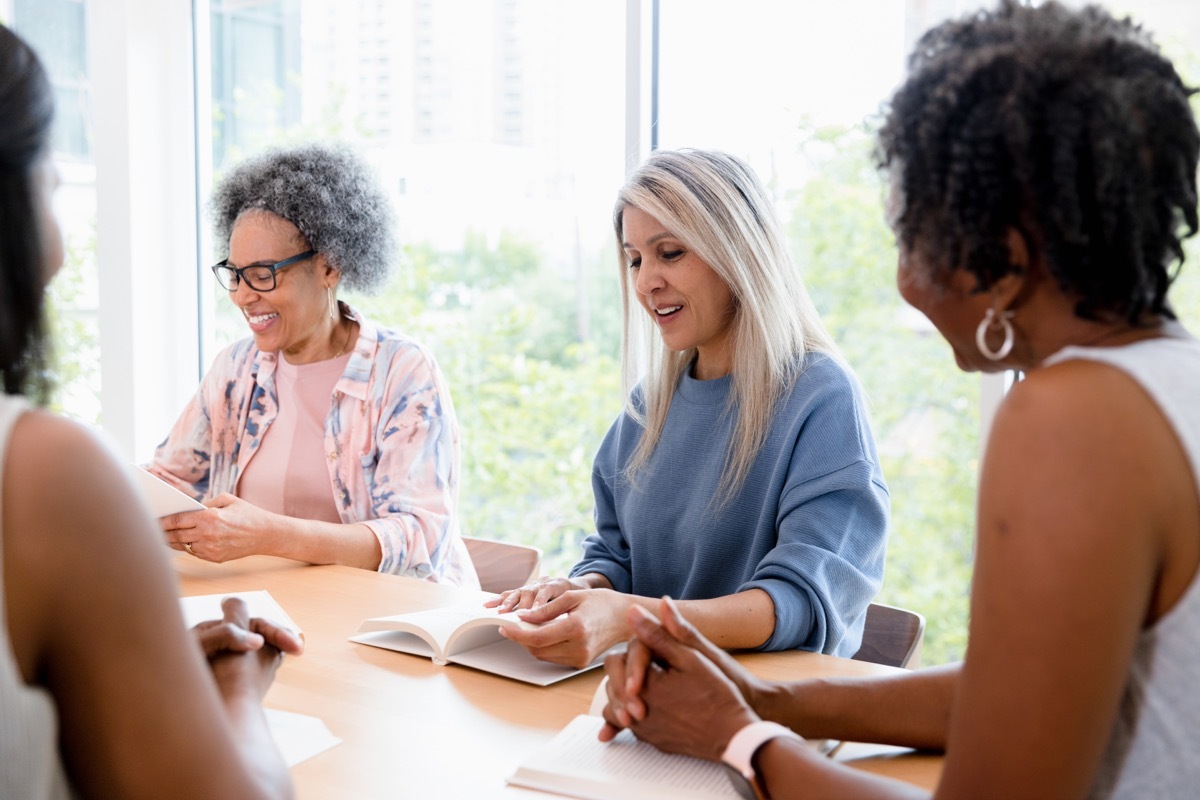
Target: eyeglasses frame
<point x="238" y="278"/>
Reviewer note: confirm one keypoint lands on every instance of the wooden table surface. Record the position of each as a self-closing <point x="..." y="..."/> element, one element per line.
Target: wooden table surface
<point x="411" y="728"/>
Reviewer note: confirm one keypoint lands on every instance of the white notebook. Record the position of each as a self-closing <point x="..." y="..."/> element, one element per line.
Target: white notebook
<point x="576" y="764"/>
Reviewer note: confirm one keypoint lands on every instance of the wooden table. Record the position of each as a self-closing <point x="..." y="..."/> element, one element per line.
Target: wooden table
<point x="413" y="729"/>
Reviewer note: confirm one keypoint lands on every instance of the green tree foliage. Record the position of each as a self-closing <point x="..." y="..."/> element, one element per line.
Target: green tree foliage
<point x="533" y="397"/>
<point x="71" y="317"/>
<point x="925" y="412"/>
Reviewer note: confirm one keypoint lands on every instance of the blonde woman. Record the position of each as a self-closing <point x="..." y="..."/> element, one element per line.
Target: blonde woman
<point x="742" y="476"/>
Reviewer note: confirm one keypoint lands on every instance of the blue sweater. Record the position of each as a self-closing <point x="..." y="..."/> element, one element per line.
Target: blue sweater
<point x="808" y="526"/>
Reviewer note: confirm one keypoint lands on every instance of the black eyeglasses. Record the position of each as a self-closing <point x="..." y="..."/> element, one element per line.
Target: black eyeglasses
<point x="259" y="277"/>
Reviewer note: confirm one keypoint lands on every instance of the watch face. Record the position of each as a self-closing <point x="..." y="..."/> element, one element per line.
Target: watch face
<point x="743" y="787"/>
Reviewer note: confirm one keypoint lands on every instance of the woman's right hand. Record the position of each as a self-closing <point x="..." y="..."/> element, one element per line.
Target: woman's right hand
<point x="629" y="670"/>
<point x="244" y="653"/>
<point x="535" y="594"/>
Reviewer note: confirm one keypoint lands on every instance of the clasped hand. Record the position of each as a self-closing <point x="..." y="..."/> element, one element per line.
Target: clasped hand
<point x="675" y="689"/>
<point x="244" y="652"/>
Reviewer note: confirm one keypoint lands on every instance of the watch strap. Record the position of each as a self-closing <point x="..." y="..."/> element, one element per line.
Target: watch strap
<point x="739" y="753"/>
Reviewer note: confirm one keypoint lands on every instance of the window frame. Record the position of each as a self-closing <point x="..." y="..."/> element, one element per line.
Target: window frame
<point x="142" y="71"/>
<point x="145" y="70"/>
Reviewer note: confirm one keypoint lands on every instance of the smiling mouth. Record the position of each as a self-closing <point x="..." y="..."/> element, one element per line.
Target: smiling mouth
<point x="666" y="311"/>
<point x="259" y="319"/>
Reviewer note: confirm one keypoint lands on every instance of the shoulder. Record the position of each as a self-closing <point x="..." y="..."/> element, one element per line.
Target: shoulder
<point x="1090" y="430"/>
<point x="401" y="370"/>
<point x="397" y="350"/>
<point x="236" y="360"/>
<point x="1075" y="394"/>
<point x="824" y="385"/>
<point x="822" y="371"/>
<point x="62" y="479"/>
<point x="394" y="361"/>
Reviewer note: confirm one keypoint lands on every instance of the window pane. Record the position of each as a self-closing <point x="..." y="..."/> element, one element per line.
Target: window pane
<point x="497" y="127"/>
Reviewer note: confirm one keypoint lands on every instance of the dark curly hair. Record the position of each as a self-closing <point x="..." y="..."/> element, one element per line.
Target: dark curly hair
<point x="1066" y="125"/>
<point x="26" y="113"/>
<point x="330" y="194"/>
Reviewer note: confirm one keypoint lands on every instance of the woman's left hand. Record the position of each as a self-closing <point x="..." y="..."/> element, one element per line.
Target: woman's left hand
<point x="691" y="707"/>
<point x="226" y="529"/>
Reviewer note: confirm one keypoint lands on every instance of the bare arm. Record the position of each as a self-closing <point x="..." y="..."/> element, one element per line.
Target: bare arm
<point x="911" y="709"/>
<point x="95" y="618"/>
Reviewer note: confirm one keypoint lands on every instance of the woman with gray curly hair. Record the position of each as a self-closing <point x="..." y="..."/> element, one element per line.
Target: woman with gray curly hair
<point x="321" y="437"/>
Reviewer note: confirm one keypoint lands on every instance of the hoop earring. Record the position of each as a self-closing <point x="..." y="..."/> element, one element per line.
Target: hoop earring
<point x="332" y="303"/>
<point x="992" y="321"/>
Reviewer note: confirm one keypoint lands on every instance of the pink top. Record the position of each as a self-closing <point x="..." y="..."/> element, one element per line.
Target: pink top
<point x="288" y="474"/>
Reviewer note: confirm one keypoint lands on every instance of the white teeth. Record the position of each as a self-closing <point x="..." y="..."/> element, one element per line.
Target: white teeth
<point x="260" y="318"/>
<point x="662" y="312"/>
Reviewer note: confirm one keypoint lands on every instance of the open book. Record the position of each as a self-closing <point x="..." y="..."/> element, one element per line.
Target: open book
<point x="162" y="497"/>
<point x="468" y="635"/>
<point x="576" y="764"/>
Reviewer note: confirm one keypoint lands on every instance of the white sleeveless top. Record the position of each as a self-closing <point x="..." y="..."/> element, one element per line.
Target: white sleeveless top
<point x="1152" y="750"/>
<point x="30" y="766"/>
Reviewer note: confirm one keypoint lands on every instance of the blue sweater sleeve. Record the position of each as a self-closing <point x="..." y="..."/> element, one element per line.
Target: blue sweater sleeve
<point x="828" y="564"/>
<point x="832" y="525"/>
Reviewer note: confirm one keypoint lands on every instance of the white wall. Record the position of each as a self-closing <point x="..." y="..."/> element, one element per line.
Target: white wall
<point x="142" y="79"/>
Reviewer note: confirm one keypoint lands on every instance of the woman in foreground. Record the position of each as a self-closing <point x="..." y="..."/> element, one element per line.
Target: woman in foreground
<point x="103" y="693"/>
<point x="1043" y="165"/>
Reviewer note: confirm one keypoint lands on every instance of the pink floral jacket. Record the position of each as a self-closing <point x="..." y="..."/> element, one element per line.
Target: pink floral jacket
<point x="391" y="437"/>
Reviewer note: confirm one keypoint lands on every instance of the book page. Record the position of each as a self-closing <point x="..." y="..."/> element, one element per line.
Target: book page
<point x="511" y="660"/>
<point x="576" y="764"/>
<point x="438" y="625"/>
<point x="162" y="497"/>
<point x="401" y="642"/>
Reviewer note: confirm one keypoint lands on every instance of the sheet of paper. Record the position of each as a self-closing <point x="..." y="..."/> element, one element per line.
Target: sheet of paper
<point x="298" y="736"/>
<point x="201" y="607"/>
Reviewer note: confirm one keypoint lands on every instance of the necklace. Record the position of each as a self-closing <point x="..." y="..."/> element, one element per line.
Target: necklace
<point x="346" y="343"/>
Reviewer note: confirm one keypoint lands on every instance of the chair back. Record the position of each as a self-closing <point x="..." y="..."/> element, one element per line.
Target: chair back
<point x="892" y="636"/>
<point x="503" y="565"/>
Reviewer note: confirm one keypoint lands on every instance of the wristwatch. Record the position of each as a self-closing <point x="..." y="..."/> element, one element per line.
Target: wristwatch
<point x="738" y="757"/>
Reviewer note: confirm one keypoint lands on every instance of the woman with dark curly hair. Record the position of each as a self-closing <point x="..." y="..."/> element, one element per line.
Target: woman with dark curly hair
<point x="320" y="438"/>
<point x="1043" y="165"/>
<point x="101" y="686"/>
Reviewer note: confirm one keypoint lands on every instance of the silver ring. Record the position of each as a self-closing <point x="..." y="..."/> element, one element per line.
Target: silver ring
<point x="188" y="546"/>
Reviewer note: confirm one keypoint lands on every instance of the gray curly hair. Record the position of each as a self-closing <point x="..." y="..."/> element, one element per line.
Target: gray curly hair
<point x="330" y="194"/>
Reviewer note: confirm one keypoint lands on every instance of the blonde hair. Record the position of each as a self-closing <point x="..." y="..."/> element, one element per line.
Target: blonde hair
<point x="716" y="206"/>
